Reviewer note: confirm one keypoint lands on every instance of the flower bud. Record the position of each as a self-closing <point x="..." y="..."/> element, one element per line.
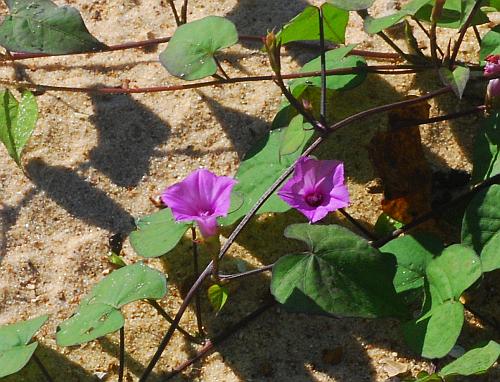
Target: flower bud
<point x="493" y="89"/>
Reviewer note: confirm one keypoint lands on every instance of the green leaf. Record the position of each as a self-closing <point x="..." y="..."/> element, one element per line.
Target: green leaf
<point x="157" y="234"/>
<point x="295" y="135"/>
<point x="15" y="350"/>
<point x="305" y="26"/>
<point x="373" y="25"/>
<point x="352" y="5"/>
<point x="490" y="44"/>
<point x="40" y="26"/>
<point x="486" y="154"/>
<point x="335" y="59"/>
<point x="385" y="225"/>
<point x="190" y="52"/>
<point x="99" y="314"/>
<point x="413" y="254"/>
<point x="454" y="15"/>
<point x="17" y="122"/>
<point x="259" y="169"/>
<point x="481" y="227"/>
<point x="340" y="274"/>
<point x="448" y="276"/>
<point x="115" y="259"/>
<point x="457" y="79"/>
<point x="475" y="361"/>
<point x="217" y="295"/>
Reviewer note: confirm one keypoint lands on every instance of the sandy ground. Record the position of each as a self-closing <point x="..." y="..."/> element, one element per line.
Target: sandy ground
<point x="94" y="161"/>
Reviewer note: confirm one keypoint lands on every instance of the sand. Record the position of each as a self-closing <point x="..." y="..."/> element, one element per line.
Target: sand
<point x="94" y="161"/>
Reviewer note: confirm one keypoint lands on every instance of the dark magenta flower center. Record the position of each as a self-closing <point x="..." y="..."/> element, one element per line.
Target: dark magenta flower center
<point x="314" y="199"/>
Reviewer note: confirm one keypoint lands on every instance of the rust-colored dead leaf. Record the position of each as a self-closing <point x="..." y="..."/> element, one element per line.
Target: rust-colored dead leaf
<point x="399" y="161"/>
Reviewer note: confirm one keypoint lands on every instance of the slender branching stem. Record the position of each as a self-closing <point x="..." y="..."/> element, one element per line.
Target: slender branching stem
<point x="219" y="66"/>
<point x="246" y="274"/>
<point x="398" y="69"/>
<point x="184" y="10"/>
<point x="463" y="30"/>
<point x="446" y="117"/>
<point x="424" y="29"/>
<point x="121" y="367"/>
<point x="170" y="320"/>
<point x="358" y="225"/>
<point x="42" y="368"/>
<point x="217" y="340"/>
<point x="196" y="274"/>
<point x="322" y="111"/>
<point x="174" y="11"/>
<point x="437" y="10"/>
<point x="477" y="34"/>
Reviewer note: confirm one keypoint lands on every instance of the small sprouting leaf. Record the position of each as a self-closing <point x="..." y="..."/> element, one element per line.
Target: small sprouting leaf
<point x="335" y="59"/>
<point x="15" y="349"/>
<point x="217" y="295"/>
<point x="413" y="254"/>
<point x="373" y="25"/>
<point x="490" y="44"/>
<point x="260" y="167"/>
<point x="486" y="154"/>
<point x="454" y="14"/>
<point x="475" y="361"/>
<point x="40" y="26"/>
<point x="481" y="227"/>
<point x="99" y="313"/>
<point x="340" y="274"/>
<point x="305" y="26"/>
<point x="457" y="79"/>
<point x="157" y="234"/>
<point x="17" y="122"/>
<point x="115" y="259"/>
<point x="448" y="276"/>
<point x="295" y="135"/>
<point x="352" y="5"/>
<point x="190" y="52"/>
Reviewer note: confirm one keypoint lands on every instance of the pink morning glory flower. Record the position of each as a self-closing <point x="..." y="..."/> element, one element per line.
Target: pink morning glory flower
<point x="493" y="67"/>
<point x="316" y="188"/>
<point x="201" y="197"/>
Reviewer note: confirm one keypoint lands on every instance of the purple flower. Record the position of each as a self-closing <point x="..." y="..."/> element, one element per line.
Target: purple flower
<point x="202" y="197"/>
<point x="492" y="67"/>
<point x="316" y="188"/>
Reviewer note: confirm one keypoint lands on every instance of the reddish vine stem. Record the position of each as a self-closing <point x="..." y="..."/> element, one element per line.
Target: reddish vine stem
<point x="217" y="340"/>
<point x="463" y="30"/>
<point x="174" y="11"/>
<point x="247" y="273"/>
<point x="421" y="26"/>
<point x="354" y="118"/>
<point x="446" y="117"/>
<point x="196" y="274"/>
<point x="42" y="368"/>
<point x="156" y="89"/>
<point x="16" y="56"/>
<point x="121" y="367"/>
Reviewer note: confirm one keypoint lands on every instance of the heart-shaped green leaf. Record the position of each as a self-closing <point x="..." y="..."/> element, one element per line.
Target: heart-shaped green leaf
<point x="340" y="274"/>
<point x="305" y="26"/>
<point x="352" y="5"/>
<point x="373" y="25"/>
<point x="40" y="26"/>
<point x="15" y="349"/>
<point x="17" y="122"/>
<point x="157" y="234"/>
<point x="261" y="166"/>
<point x="457" y="79"/>
<point x="475" y="361"/>
<point x="486" y="154"/>
<point x="335" y="59"/>
<point x="481" y="227"/>
<point x="413" y="254"/>
<point x="99" y="313"/>
<point x="190" y="52"/>
<point x="490" y="44"/>
<point x="448" y="276"/>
